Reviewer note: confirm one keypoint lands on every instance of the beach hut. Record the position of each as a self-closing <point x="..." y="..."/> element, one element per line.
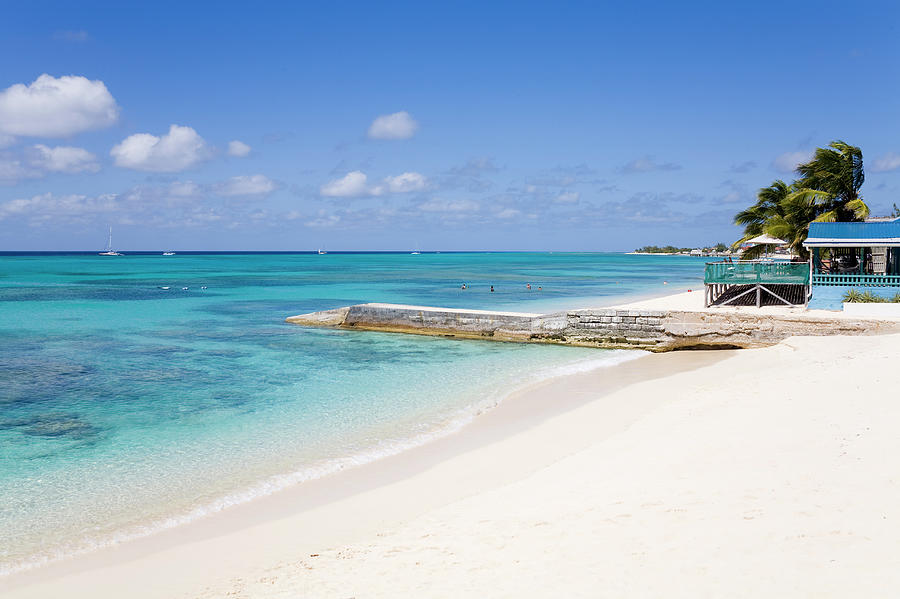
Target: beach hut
<point x="759" y="282"/>
<point x="865" y="254"/>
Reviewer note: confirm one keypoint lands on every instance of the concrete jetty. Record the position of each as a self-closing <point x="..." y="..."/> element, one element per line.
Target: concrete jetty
<point x="614" y="328"/>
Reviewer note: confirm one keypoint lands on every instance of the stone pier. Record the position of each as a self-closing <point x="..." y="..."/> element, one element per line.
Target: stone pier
<point x="654" y="330"/>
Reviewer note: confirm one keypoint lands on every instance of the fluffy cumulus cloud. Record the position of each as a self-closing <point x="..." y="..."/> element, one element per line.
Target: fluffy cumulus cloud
<point x="177" y="150"/>
<point x="406" y="182"/>
<point x="399" y="125"/>
<point x="355" y="184"/>
<point x="56" y="107"/>
<point x="246" y="186"/>
<point x="238" y="148"/>
<point x="888" y="162"/>
<point x="787" y="162"/>
<point x="62" y="159"/>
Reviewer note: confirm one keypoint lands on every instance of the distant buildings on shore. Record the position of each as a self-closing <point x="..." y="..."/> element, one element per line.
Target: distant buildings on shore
<point x="720" y="249"/>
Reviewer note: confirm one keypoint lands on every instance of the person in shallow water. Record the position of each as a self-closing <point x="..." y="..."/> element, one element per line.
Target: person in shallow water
<point x="528" y="286"/>
<point x="492" y="289"/>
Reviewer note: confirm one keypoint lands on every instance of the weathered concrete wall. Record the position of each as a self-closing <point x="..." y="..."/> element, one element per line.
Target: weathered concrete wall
<point x="609" y="328"/>
<point x="425" y="320"/>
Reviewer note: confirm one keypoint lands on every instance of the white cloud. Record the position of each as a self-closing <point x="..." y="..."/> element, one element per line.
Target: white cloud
<point x="353" y="184"/>
<point x="177" y="150"/>
<point x="567" y="197"/>
<point x="399" y="125"/>
<point x="438" y="205"/>
<point x="63" y="159"/>
<point x="324" y="220"/>
<point x="246" y="185"/>
<point x="56" y="107"/>
<point x="238" y="148"/>
<point x="888" y="162"/>
<point x="185" y="189"/>
<point x="509" y="213"/>
<point x="406" y="182"/>
<point x="787" y="162"/>
<point x="46" y="207"/>
<point x="12" y="169"/>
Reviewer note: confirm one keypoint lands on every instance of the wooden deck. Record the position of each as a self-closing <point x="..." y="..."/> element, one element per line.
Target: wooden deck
<point x="745" y="295"/>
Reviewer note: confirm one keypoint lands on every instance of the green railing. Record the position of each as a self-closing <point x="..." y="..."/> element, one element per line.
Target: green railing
<point x="858" y="280"/>
<point x="753" y="273"/>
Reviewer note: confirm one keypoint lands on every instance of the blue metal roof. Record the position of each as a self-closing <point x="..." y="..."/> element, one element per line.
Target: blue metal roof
<point x="876" y="230"/>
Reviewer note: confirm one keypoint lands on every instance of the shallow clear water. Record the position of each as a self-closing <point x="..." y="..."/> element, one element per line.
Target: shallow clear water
<point x="125" y="407"/>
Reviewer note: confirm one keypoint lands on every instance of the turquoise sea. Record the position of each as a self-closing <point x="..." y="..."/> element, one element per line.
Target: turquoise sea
<point x="126" y="408"/>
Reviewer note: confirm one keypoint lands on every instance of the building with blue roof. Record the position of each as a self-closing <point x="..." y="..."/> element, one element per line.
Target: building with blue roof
<point x="855" y="254"/>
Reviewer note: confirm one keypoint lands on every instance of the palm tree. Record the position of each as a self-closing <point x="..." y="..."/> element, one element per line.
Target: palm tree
<point x="768" y="206"/>
<point x="792" y="223"/>
<point x="827" y="191"/>
<point x="832" y="180"/>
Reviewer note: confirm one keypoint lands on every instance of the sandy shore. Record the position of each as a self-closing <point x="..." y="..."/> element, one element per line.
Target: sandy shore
<point x="754" y="473"/>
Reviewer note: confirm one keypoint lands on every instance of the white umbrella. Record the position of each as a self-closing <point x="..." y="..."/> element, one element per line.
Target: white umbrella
<point x="766" y="240"/>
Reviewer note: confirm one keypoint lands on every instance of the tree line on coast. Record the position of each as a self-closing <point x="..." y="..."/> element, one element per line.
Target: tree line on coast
<point x="671" y="249"/>
<point x="826" y="190"/>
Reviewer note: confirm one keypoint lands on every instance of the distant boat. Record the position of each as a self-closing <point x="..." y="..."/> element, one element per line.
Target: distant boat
<point x="165" y="288"/>
<point x="414" y="253"/>
<point x="109" y="251"/>
<point x="168" y="253"/>
<point x="322" y="252"/>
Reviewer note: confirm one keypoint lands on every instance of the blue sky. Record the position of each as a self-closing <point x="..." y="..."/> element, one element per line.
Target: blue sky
<point x="545" y="126"/>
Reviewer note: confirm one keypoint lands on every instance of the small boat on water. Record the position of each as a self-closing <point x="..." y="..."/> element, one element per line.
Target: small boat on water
<point x="168" y="253"/>
<point x="322" y="252"/>
<point x="109" y="251"/>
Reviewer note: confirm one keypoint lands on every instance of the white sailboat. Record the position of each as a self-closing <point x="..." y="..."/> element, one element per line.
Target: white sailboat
<point x="322" y="252"/>
<point x="109" y="251"/>
<point x="169" y="253"/>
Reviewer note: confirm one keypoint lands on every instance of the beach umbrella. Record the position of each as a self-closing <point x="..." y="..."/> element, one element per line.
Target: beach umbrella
<point x="766" y="240"/>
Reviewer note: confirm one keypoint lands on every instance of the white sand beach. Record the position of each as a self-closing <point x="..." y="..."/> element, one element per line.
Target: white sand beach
<point x="766" y="472"/>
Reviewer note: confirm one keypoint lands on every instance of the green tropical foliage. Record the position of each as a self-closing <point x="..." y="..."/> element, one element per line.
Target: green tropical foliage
<point x="856" y="296"/>
<point x="827" y="191"/>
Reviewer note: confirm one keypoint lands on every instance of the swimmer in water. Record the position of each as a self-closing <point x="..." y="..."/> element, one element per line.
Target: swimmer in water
<point x="492" y="289"/>
<point x="527" y="285"/>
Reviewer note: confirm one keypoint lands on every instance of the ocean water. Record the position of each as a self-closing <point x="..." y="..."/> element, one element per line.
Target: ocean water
<point x="126" y="408"/>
